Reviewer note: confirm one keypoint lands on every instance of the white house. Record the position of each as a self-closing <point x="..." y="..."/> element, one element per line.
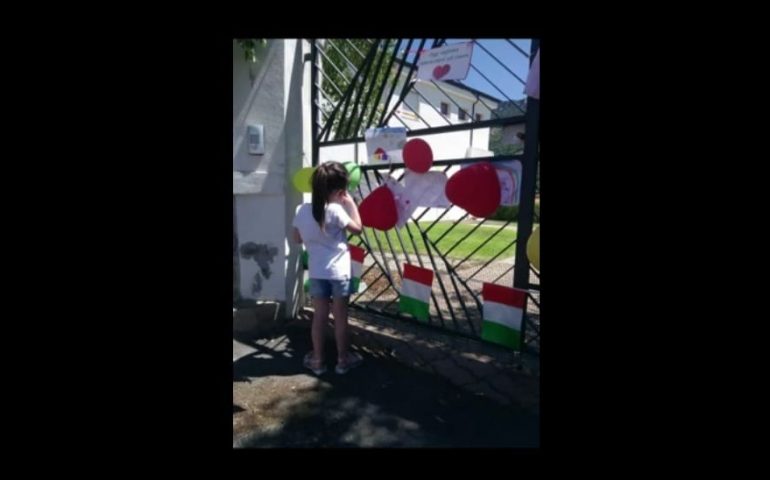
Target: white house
<point x="458" y="104"/>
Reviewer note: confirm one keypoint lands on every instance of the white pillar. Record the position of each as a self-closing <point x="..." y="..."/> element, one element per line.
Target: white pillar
<point x="265" y="202"/>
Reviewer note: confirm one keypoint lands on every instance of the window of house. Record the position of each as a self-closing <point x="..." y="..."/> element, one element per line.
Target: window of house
<point x="463" y="114"/>
<point x="444" y="108"/>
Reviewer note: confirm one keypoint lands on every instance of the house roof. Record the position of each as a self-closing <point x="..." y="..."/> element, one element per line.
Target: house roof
<point x="473" y="90"/>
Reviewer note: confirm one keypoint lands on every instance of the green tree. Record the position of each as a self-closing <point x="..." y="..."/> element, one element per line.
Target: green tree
<point x="251" y="47"/>
<point x="496" y="143"/>
<point x="340" y="61"/>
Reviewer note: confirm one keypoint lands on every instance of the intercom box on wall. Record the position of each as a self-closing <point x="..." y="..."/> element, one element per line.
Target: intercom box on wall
<point x="256" y="136"/>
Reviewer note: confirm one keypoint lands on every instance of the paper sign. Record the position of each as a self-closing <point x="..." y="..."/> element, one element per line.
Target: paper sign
<point x="450" y="62"/>
<point x="384" y="145"/>
<point x="426" y="189"/>
<point x="509" y="174"/>
<point x="507" y="187"/>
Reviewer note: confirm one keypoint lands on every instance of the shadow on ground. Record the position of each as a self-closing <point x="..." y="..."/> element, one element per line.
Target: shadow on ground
<point x="277" y="403"/>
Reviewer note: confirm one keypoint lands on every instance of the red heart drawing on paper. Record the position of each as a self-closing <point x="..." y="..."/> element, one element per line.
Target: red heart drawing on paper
<point x="475" y="189"/>
<point x="380" y="154"/>
<point x="378" y="209"/>
<point x="440" y="71"/>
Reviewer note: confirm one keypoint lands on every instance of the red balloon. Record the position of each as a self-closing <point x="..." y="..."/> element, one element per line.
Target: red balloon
<point x="418" y="155"/>
<point x="378" y="209"/>
<point x="475" y="189"/>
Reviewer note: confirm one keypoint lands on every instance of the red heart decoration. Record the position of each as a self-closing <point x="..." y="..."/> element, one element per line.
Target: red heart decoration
<point x="378" y="209"/>
<point x="418" y="155"/>
<point x="475" y="189"/>
<point x="440" y="71"/>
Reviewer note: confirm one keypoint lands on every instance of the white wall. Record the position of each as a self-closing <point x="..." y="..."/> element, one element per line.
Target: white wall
<point x="245" y="74"/>
<point x="299" y="154"/>
<point x="243" y="77"/>
<point x="265" y="203"/>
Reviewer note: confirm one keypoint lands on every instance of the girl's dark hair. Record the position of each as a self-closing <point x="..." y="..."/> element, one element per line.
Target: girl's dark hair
<point x="327" y="178"/>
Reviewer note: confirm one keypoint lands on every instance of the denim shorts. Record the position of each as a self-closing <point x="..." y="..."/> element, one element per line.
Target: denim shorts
<point x="324" y="288"/>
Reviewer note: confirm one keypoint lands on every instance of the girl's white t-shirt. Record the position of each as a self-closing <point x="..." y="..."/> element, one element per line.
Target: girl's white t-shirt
<point x="328" y="255"/>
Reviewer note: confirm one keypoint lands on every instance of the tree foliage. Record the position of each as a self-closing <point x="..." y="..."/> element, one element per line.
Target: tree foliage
<point x="340" y="61"/>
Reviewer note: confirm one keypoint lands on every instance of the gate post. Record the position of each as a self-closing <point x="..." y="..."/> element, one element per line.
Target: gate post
<point x="528" y="187"/>
<point x="314" y="85"/>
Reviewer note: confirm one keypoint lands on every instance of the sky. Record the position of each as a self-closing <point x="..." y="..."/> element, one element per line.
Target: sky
<point x="505" y="84"/>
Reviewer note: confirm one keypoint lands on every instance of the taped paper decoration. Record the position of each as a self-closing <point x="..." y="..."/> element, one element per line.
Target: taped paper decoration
<point x="302" y="179"/>
<point x="354" y="175"/>
<point x="533" y="249"/>
<point x="425" y="189"/>
<point x="502" y="315"/>
<point x="450" y="62"/>
<point x="414" y="297"/>
<point x="509" y="174"/>
<point x="404" y="207"/>
<point x="357" y="255"/>
<point x="532" y="88"/>
<point x="507" y="187"/>
<point x="418" y="156"/>
<point x="384" y="145"/>
<point x="378" y="210"/>
<point x="475" y="189"/>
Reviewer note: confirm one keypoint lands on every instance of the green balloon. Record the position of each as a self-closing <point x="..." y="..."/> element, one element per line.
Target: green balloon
<point x="354" y="175"/>
<point x="307" y="285"/>
<point x="304" y="259"/>
<point x="301" y="179"/>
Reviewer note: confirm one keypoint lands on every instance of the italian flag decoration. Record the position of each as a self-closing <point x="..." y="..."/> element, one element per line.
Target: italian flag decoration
<point x="415" y="292"/>
<point x="356" y="266"/>
<point x="502" y="315"/>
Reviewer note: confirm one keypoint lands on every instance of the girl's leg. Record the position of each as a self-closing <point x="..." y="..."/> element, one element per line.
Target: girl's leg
<point x="340" y="312"/>
<point x="320" y="316"/>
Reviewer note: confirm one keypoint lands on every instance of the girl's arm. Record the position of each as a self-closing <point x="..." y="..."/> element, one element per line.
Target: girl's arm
<point x="350" y="207"/>
<point x="297" y="236"/>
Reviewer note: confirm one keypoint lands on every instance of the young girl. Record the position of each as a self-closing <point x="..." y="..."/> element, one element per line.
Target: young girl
<point x="321" y="227"/>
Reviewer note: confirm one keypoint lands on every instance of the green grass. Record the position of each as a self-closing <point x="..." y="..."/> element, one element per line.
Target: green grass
<point x="455" y="235"/>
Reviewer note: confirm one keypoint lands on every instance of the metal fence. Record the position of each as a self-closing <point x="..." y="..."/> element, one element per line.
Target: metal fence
<point x="353" y="86"/>
<point x="463" y="254"/>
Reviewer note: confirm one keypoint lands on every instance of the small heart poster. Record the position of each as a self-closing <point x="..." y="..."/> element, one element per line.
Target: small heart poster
<point x="450" y="62"/>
